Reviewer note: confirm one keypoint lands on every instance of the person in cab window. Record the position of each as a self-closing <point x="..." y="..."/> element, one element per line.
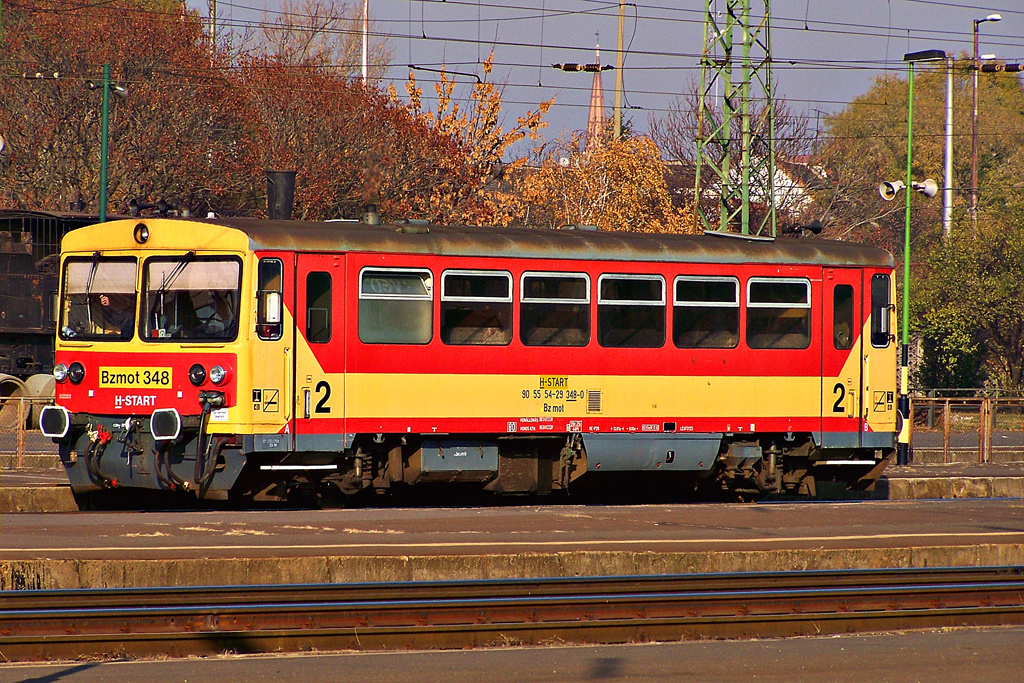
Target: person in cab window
<point x="116" y="315"/>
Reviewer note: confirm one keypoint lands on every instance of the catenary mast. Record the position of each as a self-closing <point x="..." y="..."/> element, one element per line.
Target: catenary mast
<point x="731" y="130"/>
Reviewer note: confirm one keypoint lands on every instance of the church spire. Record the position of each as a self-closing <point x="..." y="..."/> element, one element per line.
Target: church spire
<point x="595" y="119"/>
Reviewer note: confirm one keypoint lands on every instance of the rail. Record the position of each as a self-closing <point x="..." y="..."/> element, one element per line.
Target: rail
<point x="39" y="625"/>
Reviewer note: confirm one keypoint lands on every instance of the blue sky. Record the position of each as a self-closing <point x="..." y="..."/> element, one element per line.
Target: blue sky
<point x="826" y="52"/>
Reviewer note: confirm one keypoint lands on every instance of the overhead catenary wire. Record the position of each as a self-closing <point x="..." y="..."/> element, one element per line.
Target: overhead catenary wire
<point x="653" y="101"/>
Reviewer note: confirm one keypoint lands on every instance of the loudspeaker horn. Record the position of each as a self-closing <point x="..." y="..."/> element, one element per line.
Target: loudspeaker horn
<point x="929" y="188"/>
<point x="889" y="190"/>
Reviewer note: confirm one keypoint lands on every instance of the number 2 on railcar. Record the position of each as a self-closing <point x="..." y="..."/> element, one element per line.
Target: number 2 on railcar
<point x="265" y="358"/>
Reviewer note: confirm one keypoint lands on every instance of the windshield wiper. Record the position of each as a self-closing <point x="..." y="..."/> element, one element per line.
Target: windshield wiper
<point x="179" y="268"/>
<point x="92" y="272"/>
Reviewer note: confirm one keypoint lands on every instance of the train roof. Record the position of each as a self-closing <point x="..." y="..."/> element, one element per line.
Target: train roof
<point x="587" y="244"/>
<point x="539" y="243"/>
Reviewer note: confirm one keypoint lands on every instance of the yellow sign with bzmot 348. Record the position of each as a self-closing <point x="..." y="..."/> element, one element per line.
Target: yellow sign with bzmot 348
<point x="135" y="378"/>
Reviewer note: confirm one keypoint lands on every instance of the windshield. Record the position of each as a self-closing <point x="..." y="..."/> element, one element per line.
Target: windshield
<point x="191" y="298"/>
<point x="99" y="298"/>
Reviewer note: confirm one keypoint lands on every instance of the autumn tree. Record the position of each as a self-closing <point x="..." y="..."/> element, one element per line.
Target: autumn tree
<point x="476" y="127"/>
<point x="353" y="144"/>
<point x="616" y="185"/>
<point x="866" y="143"/>
<point x="174" y="136"/>
<point x="676" y="134"/>
<point x="326" y="34"/>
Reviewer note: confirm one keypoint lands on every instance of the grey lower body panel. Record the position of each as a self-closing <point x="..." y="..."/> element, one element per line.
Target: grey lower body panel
<point x="460" y="455"/>
<point x="651" y="452"/>
<point x="329" y="443"/>
<point x="878" y="440"/>
<point x="870" y="440"/>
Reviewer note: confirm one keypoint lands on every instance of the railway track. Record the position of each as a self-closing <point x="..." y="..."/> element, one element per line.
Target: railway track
<point x="111" y="623"/>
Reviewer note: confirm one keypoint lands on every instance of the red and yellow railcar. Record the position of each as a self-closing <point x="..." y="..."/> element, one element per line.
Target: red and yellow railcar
<point x="261" y="357"/>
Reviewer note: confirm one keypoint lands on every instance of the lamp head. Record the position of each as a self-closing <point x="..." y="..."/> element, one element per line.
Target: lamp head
<point x="924" y="56"/>
<point x="993" y="17"/>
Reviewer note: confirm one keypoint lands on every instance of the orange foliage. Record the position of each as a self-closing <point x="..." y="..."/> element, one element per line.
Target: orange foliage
<point x="352" y="144"/>
<point x="200" y="128"/>
<point x="176" y="134"/>
<point x="477" y="129"/>
<point x="618" y="185"/>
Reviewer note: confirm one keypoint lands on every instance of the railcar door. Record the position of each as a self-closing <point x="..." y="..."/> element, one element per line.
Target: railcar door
<point x="272" y="364"/>
<point x="841" y="344"/>
<point x="319" y="353"/>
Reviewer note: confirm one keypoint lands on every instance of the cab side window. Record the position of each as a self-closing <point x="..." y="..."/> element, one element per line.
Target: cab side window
<point x="269" y="297"/>
<point x="881" y="311"/>
<point x="318" y="307"/>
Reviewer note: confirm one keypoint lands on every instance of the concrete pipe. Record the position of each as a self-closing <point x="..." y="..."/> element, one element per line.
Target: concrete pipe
<point x="39" y="388"/>
<point x="11" y="388"/>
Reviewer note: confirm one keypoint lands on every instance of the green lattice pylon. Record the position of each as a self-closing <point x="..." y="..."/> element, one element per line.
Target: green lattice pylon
<point x="735" y="175"/>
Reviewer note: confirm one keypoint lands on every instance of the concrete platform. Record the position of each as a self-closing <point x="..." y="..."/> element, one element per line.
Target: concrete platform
<point x="104" y="549"/>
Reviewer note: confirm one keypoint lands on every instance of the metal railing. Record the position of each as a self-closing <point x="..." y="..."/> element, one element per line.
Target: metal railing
<point x="19" y="429"/>
<point x="968" y="422"/>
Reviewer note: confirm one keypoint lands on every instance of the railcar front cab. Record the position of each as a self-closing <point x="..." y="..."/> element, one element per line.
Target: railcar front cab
<point x="147" y="359"/>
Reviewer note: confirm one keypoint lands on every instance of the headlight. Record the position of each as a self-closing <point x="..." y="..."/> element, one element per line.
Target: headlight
<point x="141" y="233"/>
<point x="76" y="373"/>
<point x="60" y="372"/>
<point x="218" y="374"/>
<point x="197" y="375"/>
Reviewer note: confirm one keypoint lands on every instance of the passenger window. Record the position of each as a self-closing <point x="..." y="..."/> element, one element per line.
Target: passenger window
<point x="269" y="298"/>
<point x="318" y="308"/>
<point x="631" y="311"/>
<point x="476" y="307"/>
<point x="842" y="317"/>
<point x="706" y="312"/>
<point x="881" y="312"/>
<point x="778" y="313"/>
<point x="554" y="309"/>
<point x="395" y="306"/>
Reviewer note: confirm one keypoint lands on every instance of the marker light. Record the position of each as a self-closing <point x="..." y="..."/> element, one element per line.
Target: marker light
<point x="60" y="372"/>
<point x="76" y="373"/>
<point x="197" y="375"/>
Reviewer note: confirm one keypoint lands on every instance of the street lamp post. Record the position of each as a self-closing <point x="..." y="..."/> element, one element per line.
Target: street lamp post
<point x="104" y="121"/>
<point x="903" y="405"/>
<point x="106" y="87"/>
<point x="974" y="123"/>
<point x="947" y="176"/>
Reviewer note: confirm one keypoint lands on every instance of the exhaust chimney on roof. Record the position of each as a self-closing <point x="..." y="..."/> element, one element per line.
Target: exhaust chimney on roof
<point x="280" y="194"/>
<point x="371" y="216"/>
